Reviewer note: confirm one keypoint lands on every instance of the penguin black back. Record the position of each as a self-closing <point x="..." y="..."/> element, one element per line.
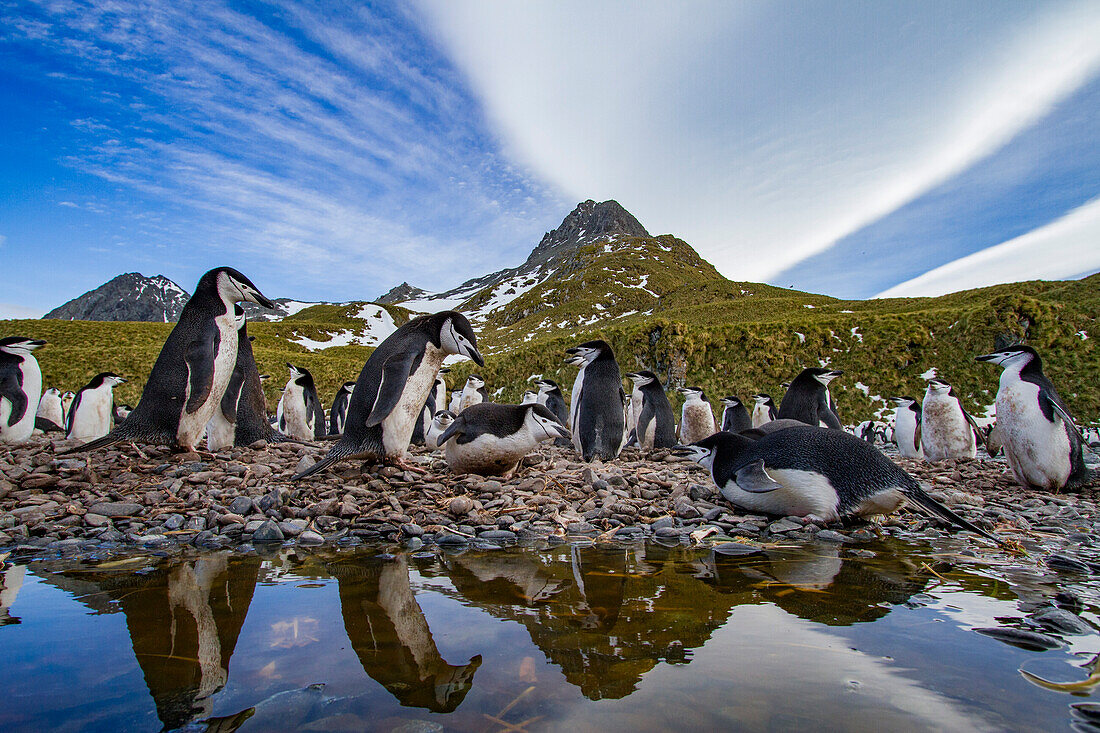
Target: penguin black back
<point x="656" y="409"/>
<point x="252" y="424"/>
<point x="807" y="399"/>
<point x="735" y="417"/>
<point x="599" y="417"/>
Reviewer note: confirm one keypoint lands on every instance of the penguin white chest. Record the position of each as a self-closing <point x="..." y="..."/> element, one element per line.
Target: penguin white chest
<point x="397" y="427"/>
<point x="802" y="493"/>
<point x="760" y="415"/>
<point x="1037" y="450"/>
<point x="574" y="404"/>
<point x="32" y="388"/>
<point x="93" y="415"/>
<point x="697" y="422"/>
<point x="193" y="424"/>
<point x="945" y="433"/>
<point x="297" y="421"/>
<point x="489" y="455"/>
<point x="905" y="433"/>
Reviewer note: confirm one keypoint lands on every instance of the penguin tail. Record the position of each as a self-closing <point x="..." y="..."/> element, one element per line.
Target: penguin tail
<point x="107" y="440"/>
<point x="339" y="452"/>
<point x="921" y="498"/>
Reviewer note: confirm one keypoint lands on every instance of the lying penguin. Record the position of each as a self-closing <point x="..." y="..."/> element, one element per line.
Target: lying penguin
<point x="808" y="470"/>
<point x="490" y="439"/>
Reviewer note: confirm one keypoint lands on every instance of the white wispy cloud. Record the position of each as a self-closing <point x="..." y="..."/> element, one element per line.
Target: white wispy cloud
<point x="13" y="311"/>
<point x="763" y="132"/>
<point x="1064" y="248"/>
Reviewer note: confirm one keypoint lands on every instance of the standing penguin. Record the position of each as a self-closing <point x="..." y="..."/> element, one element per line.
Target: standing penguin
<point x="491" y="439"/>
<point x="440" y="422"/>
<point x="50" y="410"/>
<point x="432" y="405"/>
<point x="1041" y="441"/>
<point x="763" y="410"/>
<point x="190" y="376"/>
<point x="93" y="408"/>
<point x="550" y="395"/>
<point x="222" y="428"/>
<point x="803" y="470"/>
<point x="696" y="416"/>
<point x="598" y="400"/>
<point x="393" y="386"/>
<point x="808" y="399"/>
<point x="947" y="430"/>
<point x="474" y="393"/>
<point x="735" y="417"/>
<point x="655" y="424"/>
<point x="300" y="413"/>
<point x="456" y="401"/>
<point x="67" y="402"/>
<point x="252" y="423"/>
<point x="338" y="415"/>
<point x="20" y="388"/>
<point x="907" y="427"/>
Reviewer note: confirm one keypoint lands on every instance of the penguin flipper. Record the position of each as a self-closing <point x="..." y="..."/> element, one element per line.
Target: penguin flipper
<point x="921" y="498"/>
<point x="200" y="366"/>
<point x="975" y="427"/>
<point x="47" y="426"/>
<point x="12" y="391"/>
<point x="1058" y="409"/>
<point x="395" y="374"/>
<point x="754" y="479"/>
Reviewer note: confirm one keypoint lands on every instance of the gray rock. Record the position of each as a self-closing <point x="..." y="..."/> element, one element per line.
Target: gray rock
<point x="173" y="522"/>
<point x="411" y="529"/>
<point x="828" y="535"/>
<point x="662" y="523"/>
<point x="96" y="520"/>
<point x="309" y="537"/>
<point x="783" y="526"/>
<point x="498" y="535"/>
<point x="242" y="505"/>
<point x="448" y="539"/>
<point x="292" y="527"/>
<point x="116" y="509"/>
<point x="269" y="531"/>
<point x="1061" y="622"/>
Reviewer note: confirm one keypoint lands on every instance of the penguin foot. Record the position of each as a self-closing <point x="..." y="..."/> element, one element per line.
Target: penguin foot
<point x="406" y="466"/>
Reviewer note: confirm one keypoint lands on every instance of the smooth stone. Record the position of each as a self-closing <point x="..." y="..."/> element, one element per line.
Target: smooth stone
<point x="96" y="520"/>
<point x="242" y="505"/>
<point x="828" y="535"/>
<point x="498" y="535"/>
<point x="293" y="527"/>
<point x="662" y="523"/>
<point x="736" y="549"/>
<point x="116" y="509"/>
<point x="309" y="537"/>
<point x="268" y="531"/>
<point x="174" y="522"/>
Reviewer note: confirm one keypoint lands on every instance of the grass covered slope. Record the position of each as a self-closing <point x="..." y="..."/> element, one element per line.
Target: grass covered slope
<point x="664" y="308"/>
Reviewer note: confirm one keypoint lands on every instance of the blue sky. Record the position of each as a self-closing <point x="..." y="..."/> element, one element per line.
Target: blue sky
<point x="331" y="150"/>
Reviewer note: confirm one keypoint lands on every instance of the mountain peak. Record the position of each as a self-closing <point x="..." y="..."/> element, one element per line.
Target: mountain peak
<point x="586" y="223"/>
<point x="127" y="297"/>
<point x="400" y="293"/>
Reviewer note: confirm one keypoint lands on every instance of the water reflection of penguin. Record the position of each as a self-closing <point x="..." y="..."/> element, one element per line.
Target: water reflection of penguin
<point x="817" y="585"/>
<point x="391" y="637"/>
<point x="11" y="580"/>
<point x="184" y="619"/>
<point x="506" y="578"/>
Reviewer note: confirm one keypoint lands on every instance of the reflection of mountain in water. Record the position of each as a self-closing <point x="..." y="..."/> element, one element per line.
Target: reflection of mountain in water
<point x="183" y="617"/>
<point x="607" y="614"/>
<point x="390" y="635"/>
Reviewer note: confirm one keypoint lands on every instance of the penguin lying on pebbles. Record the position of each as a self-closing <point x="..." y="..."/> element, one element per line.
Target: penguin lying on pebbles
<point x="193" y="369"/>
<point x="807" y="470"/>
<point x="1042" y="443"/>
<point x="808" y="400"/>
<point x="394" y="385"/>
<point x="491" y="439"/>
<point x="20" y="388"/>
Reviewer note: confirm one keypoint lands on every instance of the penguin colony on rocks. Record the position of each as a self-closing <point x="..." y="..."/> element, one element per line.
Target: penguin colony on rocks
<point x="792" y="460"/>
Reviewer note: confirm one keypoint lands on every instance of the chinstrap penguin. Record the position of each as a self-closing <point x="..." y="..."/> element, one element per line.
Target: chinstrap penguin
<point x="440" y="422"/>
<point x="808" y="399"/>
<point x="50" y="417"/>
<point x="338" y="414"/>
<point x="222" y="428"/>
<point x="529" y="398"/>
<point x="654" y="421"/>
<point x="597" y="408"/>
<point x="763" y="409"/>
<point x="20" y="388"/>
<point x="474" y="393"/>
<point x="550" y="395"/>
<point x="807" y="470"/>
<point x="696" y="416"/>
<point x="455" y="401"/>
<point x="907" y="427"/>
<point x="735" y="417"/>
<point x="394" y="385"/>
<point x="491" y="439"/>
<point x="947" y="429"/>
<point x="93" y="408"/>
<point x="191" y="373"/>
<point x="252" y="423"/>
<point x="300" y="413"/>
<point x="1041" y="441"/>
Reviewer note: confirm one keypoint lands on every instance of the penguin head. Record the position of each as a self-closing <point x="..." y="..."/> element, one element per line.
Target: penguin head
<point x="348" y="387"/>
<point x="456" y="336"/>
<point x="300" y="375"/>
<point x="731" y="401"/>
<point x="904" y="403"/>
<point x="1012" y="357"/>
<point x="543" y="424"/>
<point x="546" y="386"/>
<point x="109" y="379"/>
<point x="443" y="419"/>
<point x="474" y="381"/>
<point x="762" y="398"/>
<point x="938" y="387"/>
<point x="264" y="377"/>
<point x="692" y="393"/>
<point x="20" y="345"/>
<point x="721" y="446"/>
<point x="643" y="378"/>
<point x="822" y="375"/>
<point x="234" y="287"/>
<point x="529" y="397"/>
<point x="588" y="352"/>
<point x="53" y="392"/>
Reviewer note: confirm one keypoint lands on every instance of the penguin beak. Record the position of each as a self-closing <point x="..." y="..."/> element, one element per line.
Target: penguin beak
<point x="684" y="451"/>
<point x="994" y="358"/>
<point x="476" y="357"/>
<point x="259" y="299"/>
<point x="562" y="432"/>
